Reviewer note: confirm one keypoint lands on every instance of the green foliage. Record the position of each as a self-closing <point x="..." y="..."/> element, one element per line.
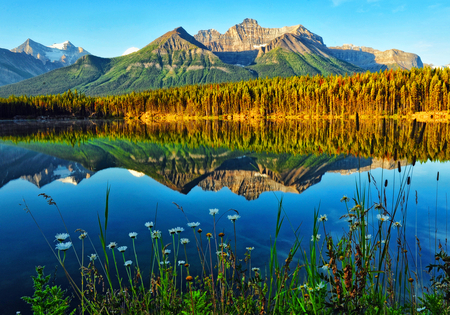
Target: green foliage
<point x="47" y="299"/>
<point x="197" y="302"/>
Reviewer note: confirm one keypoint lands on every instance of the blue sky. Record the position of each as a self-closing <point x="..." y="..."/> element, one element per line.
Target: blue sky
<point x="107" y="28"/>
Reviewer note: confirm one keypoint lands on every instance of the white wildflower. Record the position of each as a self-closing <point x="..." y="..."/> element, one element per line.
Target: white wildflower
<point x="63" y="246"/>
<point x="184" y="241"/>
<point x="149" y="224"/>
<point x="233" y="217"/>
<point x="60" y="237"/>
<point x="382" y="218"/>
<point x="128" y="263"/>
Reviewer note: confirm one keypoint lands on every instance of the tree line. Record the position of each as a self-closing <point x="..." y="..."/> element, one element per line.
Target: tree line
<point x="392" y="92"/>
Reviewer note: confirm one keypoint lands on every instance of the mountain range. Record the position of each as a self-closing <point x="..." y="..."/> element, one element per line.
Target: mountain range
<point x="178" y="167"/>
<point x="32" y="59"/>
<point x="245" y="51"/>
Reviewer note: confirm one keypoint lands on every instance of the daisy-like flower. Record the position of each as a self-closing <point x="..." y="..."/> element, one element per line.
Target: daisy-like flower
<point x="213" y="211"/>
<point x="128" y="263"/>
<point x="233" y="217"/>
<point x="63" y="246"/>
<point x="193" y="224"/>
<point x="356" y="207"/>
<point x="249" y="248"/>
<point x="112" y="245"/>
<point x="320" y="286"/>
<point x="132" y="234"/>
<point x="82" y="236"/>
<point x="383" y="241"/>
<point x="255" y="269"/>
<point x="325" y="267"/>
<point x="323" y="218"/>
<point x="92" y="257"/>
<point x="172" y="231"/>
<point x="219" y="253"/>
<point x="345" y="198"/>
<point x="397" y="224"/>
<point x="60" y="237"/>
<point x="149" y="224"/>
<point x="122" y="249"/>
<point x="179" y="229"/>
<point x="166" y="262"/>
<point x="209" y="235"/>
<point x="156" y="234"/>
<point x="368" y="237"/>
<point x="167" y="251"/>
<point x="382" y="218"/>
<point x="184" y="241"/>
<point x="317" y="237"/>
<point x="181" y="263"/>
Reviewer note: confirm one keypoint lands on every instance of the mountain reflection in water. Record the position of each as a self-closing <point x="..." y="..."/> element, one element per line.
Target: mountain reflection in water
<point x="180" y="168"/>
<point x="242" y="167"/>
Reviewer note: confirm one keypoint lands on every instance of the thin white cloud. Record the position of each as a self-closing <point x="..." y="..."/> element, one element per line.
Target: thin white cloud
<point x="399" y="9"/>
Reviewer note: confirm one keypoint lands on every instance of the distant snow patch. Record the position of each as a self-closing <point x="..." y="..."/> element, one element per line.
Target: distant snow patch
<point x="130" y="51"/>
<point x="59" y="46"/>
<point x="258" y="46"/>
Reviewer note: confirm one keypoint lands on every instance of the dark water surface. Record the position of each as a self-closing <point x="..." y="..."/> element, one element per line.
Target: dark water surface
<point x="148" y="177"/>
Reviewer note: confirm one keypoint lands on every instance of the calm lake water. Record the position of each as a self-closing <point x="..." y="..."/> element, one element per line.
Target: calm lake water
<point x="147" y="175"/>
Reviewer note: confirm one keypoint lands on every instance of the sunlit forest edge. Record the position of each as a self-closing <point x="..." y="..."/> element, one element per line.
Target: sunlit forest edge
<point x="420" y="94"/>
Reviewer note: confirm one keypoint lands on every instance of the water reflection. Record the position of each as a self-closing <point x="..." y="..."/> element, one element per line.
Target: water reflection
<point x="147" y="177"/>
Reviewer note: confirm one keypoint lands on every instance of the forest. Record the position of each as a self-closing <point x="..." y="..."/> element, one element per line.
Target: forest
<point x="382" y="94"/>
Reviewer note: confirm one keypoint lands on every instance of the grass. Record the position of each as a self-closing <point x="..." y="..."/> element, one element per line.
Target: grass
<point x="369" y="269"/>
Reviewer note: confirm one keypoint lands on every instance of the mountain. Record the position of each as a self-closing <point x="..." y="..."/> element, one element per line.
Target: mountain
<point x="175" y="58"/>
<point x="15" y="67"/>
<point x="60" y="54"/>
<point x="247" y="50"/>
<point x="375" y="60"/>
<point x="32" y="59"/>
<point x="286" y="51"/>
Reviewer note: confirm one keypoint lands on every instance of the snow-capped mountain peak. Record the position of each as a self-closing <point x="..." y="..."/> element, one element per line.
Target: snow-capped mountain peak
<point x="61" y="46"/>
<point x="64" y="53"/>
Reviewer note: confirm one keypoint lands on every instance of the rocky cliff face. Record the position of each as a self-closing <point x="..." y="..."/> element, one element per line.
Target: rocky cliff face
<point x="375" y="60"/>
<point x="249" y="35"/>
<point x="243" y="42"/>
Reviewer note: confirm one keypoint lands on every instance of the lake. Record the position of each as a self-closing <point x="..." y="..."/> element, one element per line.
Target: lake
<point x="236" y="167"/>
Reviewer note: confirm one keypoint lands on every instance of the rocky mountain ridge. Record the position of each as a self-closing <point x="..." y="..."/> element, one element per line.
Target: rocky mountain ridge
<point x="32" y="59"/>
<point x="63" y="54"/>
<point x="246" y="51"/>
<point x="375" y="60"/>
<point x="249" y="35"/>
